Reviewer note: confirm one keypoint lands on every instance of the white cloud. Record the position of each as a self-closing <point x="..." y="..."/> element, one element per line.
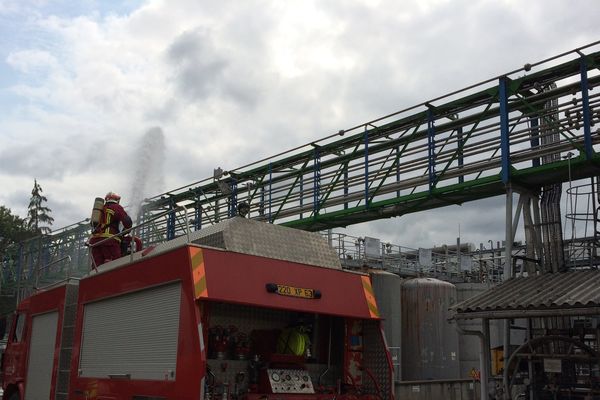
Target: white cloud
<point x="28" y="61"/>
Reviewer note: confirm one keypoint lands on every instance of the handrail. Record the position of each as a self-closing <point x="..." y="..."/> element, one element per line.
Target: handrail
<point x="37" y="276"/>
<point x="57" y="283"/>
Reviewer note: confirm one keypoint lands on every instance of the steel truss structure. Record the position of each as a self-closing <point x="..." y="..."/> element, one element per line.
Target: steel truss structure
<point x="468" y="145"/>
<point x="449" y="150"/>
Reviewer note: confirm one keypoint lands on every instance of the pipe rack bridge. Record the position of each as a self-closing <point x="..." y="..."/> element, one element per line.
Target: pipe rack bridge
<point x="531" y="127"/>
<point x="528" y="128"/>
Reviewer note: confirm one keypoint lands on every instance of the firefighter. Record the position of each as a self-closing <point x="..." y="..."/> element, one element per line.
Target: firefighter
<point x="112" y="215"/>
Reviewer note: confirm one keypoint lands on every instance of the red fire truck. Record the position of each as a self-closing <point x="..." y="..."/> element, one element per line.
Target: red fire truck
<point x="242" y="310"/>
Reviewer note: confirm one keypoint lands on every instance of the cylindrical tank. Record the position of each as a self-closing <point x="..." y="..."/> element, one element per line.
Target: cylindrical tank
<point x="387" y="288"/>
<point x="97" y="211"/>
<point x="429" y="341"/>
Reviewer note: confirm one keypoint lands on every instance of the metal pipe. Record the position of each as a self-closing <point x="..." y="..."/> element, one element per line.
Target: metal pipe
<point x="483" y="359"/>
<point x="37" y="276"/>
<point x="486" y="345"/>
<point x="56" y="261"/>
<point x="517" y="216"/>
<point x="529" y="360"/>
<point x="58" y="283"/>
<point x="187" y="224"/>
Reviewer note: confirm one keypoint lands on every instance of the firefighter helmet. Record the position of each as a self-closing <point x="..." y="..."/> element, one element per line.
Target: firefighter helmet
<point x="112" y="197"/>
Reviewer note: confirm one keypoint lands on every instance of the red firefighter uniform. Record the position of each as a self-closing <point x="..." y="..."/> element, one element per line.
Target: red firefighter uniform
<point x="112" y="215"/>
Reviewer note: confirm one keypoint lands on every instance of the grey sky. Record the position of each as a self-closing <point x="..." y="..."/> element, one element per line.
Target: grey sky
<point x="228" y="83"/>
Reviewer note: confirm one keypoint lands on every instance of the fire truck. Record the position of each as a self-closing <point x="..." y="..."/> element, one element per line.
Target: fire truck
<point x="241" y="310"/>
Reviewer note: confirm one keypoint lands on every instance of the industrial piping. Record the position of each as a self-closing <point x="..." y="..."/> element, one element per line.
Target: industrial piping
<point x="483" y="359"/>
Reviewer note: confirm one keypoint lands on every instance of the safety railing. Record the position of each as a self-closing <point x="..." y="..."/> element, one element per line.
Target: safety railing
<point x="469" y="265"/>
<point x="582" y="225"/>
<point x="42" y="268"/>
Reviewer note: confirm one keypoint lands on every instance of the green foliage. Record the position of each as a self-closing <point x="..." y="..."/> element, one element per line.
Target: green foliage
<point x="37" y="213"/>
<point x="13" y="229"/>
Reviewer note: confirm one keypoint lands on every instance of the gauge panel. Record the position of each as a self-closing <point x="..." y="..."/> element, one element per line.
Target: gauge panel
<point x="290" y="381"/>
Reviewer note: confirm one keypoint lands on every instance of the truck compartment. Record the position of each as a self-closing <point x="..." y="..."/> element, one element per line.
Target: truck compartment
<point x="254" y="351"/>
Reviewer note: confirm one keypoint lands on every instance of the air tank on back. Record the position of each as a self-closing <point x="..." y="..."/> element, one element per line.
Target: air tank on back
<point x="387" y="287"/>
<point x="429" y="341"/>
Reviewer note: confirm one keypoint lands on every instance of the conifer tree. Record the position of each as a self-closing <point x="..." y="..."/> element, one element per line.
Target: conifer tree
<point x="37" y="213"/>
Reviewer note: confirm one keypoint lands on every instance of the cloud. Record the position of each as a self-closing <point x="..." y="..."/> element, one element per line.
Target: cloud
<point x="28" y="61"/>
<point x="198" y="66"/>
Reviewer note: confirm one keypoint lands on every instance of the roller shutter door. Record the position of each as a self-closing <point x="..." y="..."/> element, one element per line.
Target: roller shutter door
<point x="133" y="335"/>
<point x="41" y="356"/>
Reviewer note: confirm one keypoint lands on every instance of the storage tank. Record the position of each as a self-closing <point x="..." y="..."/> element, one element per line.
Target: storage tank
<point x="387" y="287"/>
<point x="429" y="341"/>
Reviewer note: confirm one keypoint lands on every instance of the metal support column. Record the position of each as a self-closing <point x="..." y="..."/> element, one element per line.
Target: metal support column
<point x="301" y="195"/>
<point x="508" y="266"/>
<point x="504" y="140"/>
<point x="316" y="180"/>
<point x="232" y="204"/>
<point x="366" y="136"/>
<point x="461" y="158"/>
<point x="431" y="148"/>
<point x="397" y="148"/>
<point x="198" y="214"/>
<point x="346" y="191"/>
<point x="171" y="221"/>
<point x="587" y="132"/>
<point x="270" y="190"/>
<point x="486" y="334"/>
<point x="261" y="204"/>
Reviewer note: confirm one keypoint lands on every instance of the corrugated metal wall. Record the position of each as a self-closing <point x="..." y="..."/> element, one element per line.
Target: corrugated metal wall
<point x="41" y="356"/>
<point x="135" y="334"/>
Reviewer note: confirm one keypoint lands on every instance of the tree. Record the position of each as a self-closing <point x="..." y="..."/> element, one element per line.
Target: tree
<point x="13" y="229"/>
<point x="37" y="213"/>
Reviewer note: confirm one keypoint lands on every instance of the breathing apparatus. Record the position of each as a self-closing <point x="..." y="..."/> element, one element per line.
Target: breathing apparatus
<point x="97" y="212"/>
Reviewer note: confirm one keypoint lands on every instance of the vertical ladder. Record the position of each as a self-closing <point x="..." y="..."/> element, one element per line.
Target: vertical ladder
<point x="66" y="342"/>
